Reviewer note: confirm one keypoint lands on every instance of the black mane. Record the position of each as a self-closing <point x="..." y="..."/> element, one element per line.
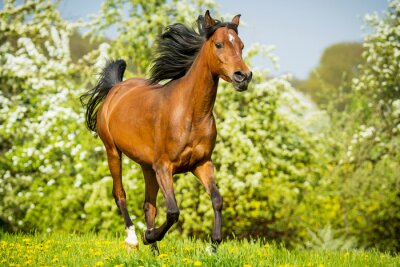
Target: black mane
<point x="178" y="46"/>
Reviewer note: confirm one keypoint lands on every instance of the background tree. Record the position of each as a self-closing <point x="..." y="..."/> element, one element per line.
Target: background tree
<point x="330" y="80"/>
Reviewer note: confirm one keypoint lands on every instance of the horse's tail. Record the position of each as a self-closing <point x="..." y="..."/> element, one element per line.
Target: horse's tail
<point x="112" y="74"/>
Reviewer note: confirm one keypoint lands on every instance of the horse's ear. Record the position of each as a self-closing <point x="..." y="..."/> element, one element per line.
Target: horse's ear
<point x="236" y="20"/>
<point x="209" y="20"/>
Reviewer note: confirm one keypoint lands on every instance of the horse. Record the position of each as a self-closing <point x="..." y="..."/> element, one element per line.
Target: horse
<point x="166" y="123"/>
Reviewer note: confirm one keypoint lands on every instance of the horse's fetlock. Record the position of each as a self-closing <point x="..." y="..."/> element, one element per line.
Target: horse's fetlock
<point x="173" y="215"/>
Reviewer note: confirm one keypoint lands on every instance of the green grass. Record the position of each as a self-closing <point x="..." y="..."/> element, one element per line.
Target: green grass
<point x="93" y="250"/>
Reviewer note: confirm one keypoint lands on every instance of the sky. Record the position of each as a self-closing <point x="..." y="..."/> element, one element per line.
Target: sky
<point x="299" y="29"/>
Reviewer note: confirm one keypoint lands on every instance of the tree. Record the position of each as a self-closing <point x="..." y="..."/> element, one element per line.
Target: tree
<point x="330" y="80"/>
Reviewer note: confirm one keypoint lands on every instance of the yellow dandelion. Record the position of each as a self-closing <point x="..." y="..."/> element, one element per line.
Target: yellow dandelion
<point x="119" y="265"/>
<point x="187" y="260"/>
<point x="247" y="265"/>
<point x="98" y="253"/>
<point x="99" y="263"/>
<point x="54" y="260"/>
<point x="320" y="265"/>
<point x="26" y="240"/>
<point x="197" y="263"/>
<point x="161" y="256"/>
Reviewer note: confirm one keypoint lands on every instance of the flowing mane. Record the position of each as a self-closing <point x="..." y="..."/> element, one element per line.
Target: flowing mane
<point x="178" y="46"/>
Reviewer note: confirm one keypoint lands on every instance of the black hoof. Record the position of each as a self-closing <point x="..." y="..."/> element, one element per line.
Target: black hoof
<point x="154" y="249"/>
<point x="214" y="247"/>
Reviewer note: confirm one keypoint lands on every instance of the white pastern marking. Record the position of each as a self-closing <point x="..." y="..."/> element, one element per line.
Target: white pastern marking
<point x="231" y="38"/>
<point x="131" y="239"/>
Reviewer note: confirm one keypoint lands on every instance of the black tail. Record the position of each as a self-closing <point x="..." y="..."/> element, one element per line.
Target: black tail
<point x="111" y="75"/>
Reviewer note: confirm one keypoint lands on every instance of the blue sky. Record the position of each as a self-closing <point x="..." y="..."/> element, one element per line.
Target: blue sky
<point x="299" y="29"/>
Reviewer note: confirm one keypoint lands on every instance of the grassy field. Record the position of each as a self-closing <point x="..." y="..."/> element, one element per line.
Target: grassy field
<point x="93" y="250"/>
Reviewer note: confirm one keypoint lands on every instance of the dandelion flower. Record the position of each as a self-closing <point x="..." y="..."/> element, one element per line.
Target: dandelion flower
<point x="161" y="256"/>
<point x="187" y="260"/>
<point x="197" y="263"/>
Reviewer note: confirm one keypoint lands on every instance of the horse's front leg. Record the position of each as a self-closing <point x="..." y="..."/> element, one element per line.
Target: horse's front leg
<point x="205" y="172"/>
<point x="164" y="179"/>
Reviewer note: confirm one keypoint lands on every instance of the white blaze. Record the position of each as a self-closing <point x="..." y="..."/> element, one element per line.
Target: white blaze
<point x="231" y="38"/>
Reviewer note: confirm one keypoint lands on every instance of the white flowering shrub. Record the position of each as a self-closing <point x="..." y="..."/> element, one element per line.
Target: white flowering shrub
<point x="49" y="164"/>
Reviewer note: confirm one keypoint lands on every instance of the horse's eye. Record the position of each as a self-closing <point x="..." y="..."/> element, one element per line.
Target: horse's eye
<point x="218" y="45"/>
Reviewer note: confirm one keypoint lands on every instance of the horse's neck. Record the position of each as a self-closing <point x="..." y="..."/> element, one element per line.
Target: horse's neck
<point x="202" y="87"/>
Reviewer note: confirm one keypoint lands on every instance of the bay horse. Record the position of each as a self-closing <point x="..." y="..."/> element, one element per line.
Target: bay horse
<point x="168" y="129"/>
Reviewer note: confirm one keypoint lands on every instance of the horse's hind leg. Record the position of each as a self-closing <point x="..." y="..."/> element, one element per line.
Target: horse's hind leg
<point x="164" y="180"/>
<point x="150" y="201"/>
<point x="114" y="163"/>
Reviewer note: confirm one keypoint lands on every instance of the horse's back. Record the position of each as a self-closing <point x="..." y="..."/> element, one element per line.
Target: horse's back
<point x="125" y="118"/>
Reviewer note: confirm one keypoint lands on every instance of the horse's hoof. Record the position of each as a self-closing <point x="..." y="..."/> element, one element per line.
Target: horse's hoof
<point x="154" y="249"/>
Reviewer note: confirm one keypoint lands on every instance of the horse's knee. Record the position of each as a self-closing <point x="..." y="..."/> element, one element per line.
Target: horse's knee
<point x="173" y="215"/>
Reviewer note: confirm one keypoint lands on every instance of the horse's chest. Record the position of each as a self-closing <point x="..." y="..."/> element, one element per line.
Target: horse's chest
<point x="197" y="145"/>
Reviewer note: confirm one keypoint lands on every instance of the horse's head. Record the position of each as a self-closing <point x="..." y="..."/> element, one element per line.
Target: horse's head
<point x="225" y="52"/>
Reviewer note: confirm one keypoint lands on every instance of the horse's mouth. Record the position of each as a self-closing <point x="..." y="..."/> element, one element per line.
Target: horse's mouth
<point x="240" y="87"/>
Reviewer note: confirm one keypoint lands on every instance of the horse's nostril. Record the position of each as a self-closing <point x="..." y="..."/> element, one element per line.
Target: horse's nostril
<point x="239" y="76"/>
<point x="250" y="76"/>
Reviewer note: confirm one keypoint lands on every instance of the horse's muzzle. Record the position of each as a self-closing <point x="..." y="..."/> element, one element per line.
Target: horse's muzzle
<point x="241" y="80"/>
